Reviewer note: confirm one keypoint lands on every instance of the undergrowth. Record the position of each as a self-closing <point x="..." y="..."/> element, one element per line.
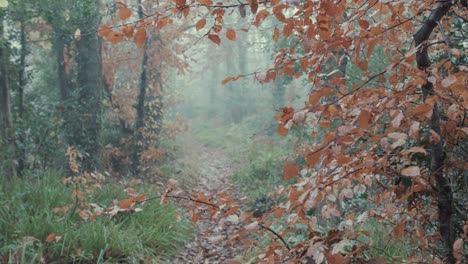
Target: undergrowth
<point x="26" y="220"/>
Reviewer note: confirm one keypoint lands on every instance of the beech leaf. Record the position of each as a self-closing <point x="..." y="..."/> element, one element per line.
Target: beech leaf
<point x="411" y="171"/>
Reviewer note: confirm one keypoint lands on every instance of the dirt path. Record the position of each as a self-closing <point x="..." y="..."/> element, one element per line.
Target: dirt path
<point x="211" y="241"/>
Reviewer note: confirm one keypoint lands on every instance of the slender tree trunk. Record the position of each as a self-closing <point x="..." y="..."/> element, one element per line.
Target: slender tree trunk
<point x="21" y="85"/>
<point x="140" y="107"/>
<point x="7" y="141"/>
<point x="444" y="191"/>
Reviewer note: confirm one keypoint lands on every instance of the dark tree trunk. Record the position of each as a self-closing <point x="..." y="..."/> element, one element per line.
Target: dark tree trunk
<point x="90" y="88"/>
<point x="7" y="142"/>
<point x="444" y="191"/>
<point x="79" y="81"/>
<point x="21" y="85"/>
<point x="140" y="107"/>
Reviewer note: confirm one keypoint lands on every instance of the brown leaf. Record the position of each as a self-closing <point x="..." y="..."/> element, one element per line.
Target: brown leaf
<point x="140" y="37"/>
<point x="126" y="203"/>
<point x="287" y="30"/>
<point x="315" y="97"/>
<point x="282" y="130"/>
<point x="451" y="79"/>
<point x="364" y="24"/>
<point x="205" y="2"/>
<point x="262" y="15"/>
<point x="141" y="197"/>
<point x="458" y="251"/>
<point x="232" y="210"/>
<point x="253" y="6"/>
<point x="128" y="31"/>
<point x="276" y="35"/>
<point x="290" y="170"/>
<point x="364" y="119"/>
<point x="115" y="37"/>
<point x="104" y="30"/>
<point x="200" y="24"/>
<point x="51" y="237"/>
<point x="214" y="38"/>
<point x="399" y="230"/>
<point x="120" y="4"/>
<point x="231" y="34"/>
<point x="411" y="171"/>
<point x="195" y="217"/>
<point x="124" y="13"/>
<point x="227" y="80"/>
<point x="335" y="258"/>
<point x="330" y="8"/>
<point x="312" y="158"/>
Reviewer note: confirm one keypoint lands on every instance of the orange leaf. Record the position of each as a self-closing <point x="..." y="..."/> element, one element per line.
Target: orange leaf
<point x="141" y="197"/>
<point x="51" y="237"/>
<point x="120" y="4"/>
<point x="423" y="110"/>
<point x="124" y="13"/>
<point x="140" y="37"/>
<point x="232" y="210"/>
<point x="128" y="31"/>
<point x="195" y="217"/>
<point x="200" y="24"/>
<point x="288" y="29"/>
<point x="104" y="30"/>
<point x="214" y="38"/>
<point x="304" y="63"/>
<point x="262" y="15"/>
<point x="115" y="37"/>
<point x="315" y="97"/>
<point x="290" y="170"/>
<point x="312" y="158"/>
<point x="253" y="6"/>
<point x="231" y="34"/>
<point x="205" y="2"/>
<point x="282" y="130"/>
<point x="335" y="258"/>
<point x="278" y="212"/>
<point x="364" y="119"/>
<point x="126" y="203"/>
<point x="364" y="24"/>
<point x="276" y="35"/>
<point x="227" y="80"/>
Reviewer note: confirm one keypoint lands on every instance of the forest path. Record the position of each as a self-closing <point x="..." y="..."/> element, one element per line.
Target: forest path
<point x="211" y="240"/>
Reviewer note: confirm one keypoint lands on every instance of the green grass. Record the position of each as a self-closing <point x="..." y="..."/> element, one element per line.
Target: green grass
<point x="26" y="219"/>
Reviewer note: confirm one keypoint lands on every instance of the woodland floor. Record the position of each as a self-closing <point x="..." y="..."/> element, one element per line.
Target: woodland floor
<point x="211" y="242"/>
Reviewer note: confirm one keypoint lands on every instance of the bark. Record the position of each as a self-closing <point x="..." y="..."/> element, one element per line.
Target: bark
<point x="6" y="122"/>
<point x="21" y="85"/>
<point x="444" y="191"/>
<point x="90" y="87"/>
<point x="140" y="107"/>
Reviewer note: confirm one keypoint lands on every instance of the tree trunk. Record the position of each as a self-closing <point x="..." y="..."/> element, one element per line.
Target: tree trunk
<point x="90" y="88"/>
<point x="21" y="85"/>
<point x="140" y="107"/>
<point x="80" y="87"/>
<point x="444" y="191"/>
<point x="7" y="141"/>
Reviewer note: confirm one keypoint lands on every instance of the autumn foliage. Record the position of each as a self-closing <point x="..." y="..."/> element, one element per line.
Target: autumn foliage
<point x="395" y="133"/>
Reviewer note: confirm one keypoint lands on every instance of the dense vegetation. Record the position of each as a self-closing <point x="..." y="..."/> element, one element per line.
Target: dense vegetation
<point x="346" y="122"/>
